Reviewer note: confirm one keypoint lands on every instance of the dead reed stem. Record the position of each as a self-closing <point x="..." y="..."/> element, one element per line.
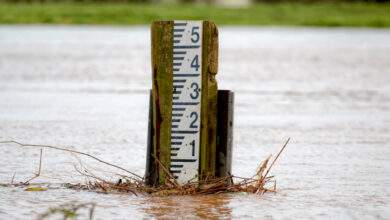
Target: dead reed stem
<point x="127" y="184"/>
<point x="277" y="156"/>
<point x="13" y="177"/>
<point x="39" y="169"/>
<point x="72" y="151"/>
<point x="171" y="179"/>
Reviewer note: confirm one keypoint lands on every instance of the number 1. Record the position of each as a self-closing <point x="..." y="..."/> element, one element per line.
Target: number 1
<point x="193" y="147"/>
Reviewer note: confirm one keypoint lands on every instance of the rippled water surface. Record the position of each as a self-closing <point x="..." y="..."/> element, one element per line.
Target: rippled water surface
<point x="87" y="88"/>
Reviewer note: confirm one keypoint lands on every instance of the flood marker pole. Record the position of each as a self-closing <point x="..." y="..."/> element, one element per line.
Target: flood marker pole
<point x="190" y="121"/>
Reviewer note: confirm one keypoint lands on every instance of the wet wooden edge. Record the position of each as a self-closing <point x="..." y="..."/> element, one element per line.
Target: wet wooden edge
<point x="162" y="68"/>
<point x="209" y="100"/>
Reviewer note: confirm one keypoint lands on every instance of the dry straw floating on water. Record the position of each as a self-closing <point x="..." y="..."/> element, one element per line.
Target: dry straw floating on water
<point x="134" y="184"/>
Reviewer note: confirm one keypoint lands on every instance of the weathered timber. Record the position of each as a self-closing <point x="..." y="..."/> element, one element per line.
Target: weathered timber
<point x="209" y="100"/>
<point x="162" y="68"/>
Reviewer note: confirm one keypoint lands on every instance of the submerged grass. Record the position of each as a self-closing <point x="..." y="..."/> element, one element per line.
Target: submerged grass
<point x="356" y="14"/>
<point x="69" y="211"/>
<point x="132" y="183"/>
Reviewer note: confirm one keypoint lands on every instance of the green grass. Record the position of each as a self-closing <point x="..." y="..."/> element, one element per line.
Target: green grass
<point x="319" y="14"/>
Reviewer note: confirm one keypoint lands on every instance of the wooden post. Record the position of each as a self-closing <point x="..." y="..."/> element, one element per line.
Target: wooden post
<point x="161" y="110"/>
<point x="162" y="68"/>
<point x="209" y="100"/>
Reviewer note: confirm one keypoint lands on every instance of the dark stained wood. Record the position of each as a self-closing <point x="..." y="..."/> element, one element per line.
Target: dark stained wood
<point x="151" y="174"/>
<point x="225" y="133"/>
<point x="162" y="68"/>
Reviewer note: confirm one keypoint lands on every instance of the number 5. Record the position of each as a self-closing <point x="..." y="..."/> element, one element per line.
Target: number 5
<point x="194" y="33"/>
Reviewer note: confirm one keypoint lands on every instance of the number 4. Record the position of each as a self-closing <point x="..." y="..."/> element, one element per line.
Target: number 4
<point x="195" y="63"/>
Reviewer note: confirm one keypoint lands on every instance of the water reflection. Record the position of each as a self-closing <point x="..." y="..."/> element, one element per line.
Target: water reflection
<point x="328" y="89"/>
<point x="202" y="206"/>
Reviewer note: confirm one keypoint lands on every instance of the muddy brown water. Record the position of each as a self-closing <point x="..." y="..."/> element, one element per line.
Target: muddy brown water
<point x="86" y="87"/>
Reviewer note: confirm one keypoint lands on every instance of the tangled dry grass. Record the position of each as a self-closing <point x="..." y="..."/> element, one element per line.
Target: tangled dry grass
<point x="132" y="183"/>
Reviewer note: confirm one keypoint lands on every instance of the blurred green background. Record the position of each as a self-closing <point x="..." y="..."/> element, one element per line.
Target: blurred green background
<point x="354" y="13"/>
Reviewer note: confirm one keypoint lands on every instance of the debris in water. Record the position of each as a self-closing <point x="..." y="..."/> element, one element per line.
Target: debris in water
<point x="69" y="211"/>
<point x="35" y="189"/>
<point x="135" y="184"/>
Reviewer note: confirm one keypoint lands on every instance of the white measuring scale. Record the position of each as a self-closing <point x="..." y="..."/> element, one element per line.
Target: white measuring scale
<point x="186" y="100"/>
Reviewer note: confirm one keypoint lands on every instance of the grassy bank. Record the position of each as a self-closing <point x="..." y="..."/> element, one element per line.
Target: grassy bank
<point x="319" y="14"/>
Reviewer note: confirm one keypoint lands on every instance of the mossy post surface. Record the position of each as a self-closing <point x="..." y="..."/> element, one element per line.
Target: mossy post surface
<point x="162" y="69"/>
<point x="209" y="100"/>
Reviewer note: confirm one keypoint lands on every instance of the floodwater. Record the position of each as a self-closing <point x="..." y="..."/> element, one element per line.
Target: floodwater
<point x="86" y="88"/>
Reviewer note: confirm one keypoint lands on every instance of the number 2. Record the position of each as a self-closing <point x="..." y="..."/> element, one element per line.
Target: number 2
<point x="193" y="125"/>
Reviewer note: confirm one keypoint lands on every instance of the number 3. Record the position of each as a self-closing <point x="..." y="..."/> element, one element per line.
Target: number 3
<point x="194" y="94"/>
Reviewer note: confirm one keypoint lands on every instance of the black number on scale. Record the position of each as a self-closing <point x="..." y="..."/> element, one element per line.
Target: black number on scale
<point x="195" y="63"/>
<point x="193" y="125"/>
<point x="195" y="93"/>
<point x="195" y="34"/>
<point x="193" y="147"/>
